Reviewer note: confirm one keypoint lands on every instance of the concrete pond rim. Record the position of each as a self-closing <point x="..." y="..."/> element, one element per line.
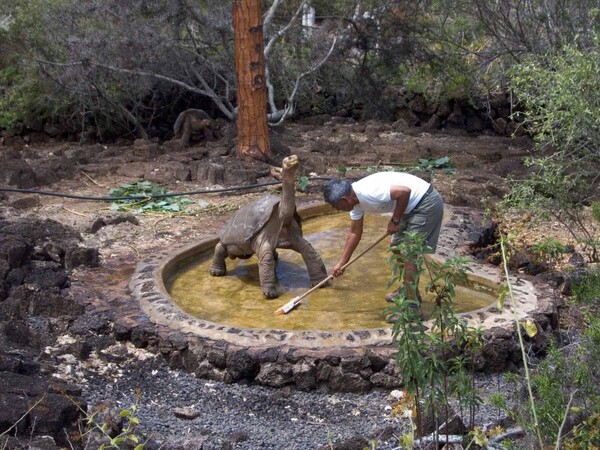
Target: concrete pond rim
<point x="349" y="360"/>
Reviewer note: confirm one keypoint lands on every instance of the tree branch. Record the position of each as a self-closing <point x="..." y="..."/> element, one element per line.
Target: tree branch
<point x="309" y="71"/>
<point x="269" y="16"/>
<point x="280" y="32"/>
<point x="269" y="46"/>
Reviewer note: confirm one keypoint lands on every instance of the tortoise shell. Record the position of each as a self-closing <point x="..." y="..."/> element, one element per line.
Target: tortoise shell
<point x="249" y="220"/>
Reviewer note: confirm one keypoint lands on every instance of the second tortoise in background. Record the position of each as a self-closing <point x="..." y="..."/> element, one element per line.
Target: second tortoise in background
<point x="193" y="121"/>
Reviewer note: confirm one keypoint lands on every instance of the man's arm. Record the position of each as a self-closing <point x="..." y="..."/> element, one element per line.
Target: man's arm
<point x="402" y="195"/>
<point x="352" y="240"/>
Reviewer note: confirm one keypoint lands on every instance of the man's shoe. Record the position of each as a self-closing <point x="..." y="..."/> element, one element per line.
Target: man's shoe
<point x="391" y="297"/>
<point x="394" y="316"/>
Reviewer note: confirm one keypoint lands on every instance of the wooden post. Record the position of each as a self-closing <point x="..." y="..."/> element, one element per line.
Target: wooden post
<point x="253" y="131"/>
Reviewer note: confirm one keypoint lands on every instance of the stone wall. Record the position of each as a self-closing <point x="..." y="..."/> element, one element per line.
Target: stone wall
<point x="348" y="361"/>
<point x="496" y="113"/>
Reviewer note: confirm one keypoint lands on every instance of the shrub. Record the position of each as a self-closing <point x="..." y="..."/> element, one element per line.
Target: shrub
<point x="548" y="249"/>
<point x="587" y="288"/>
<point x="561" y="94"/>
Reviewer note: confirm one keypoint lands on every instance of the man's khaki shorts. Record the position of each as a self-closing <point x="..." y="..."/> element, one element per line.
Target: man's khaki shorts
<point x="426" y="219"/>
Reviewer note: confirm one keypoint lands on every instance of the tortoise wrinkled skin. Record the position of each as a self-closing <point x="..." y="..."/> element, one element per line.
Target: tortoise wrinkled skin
<point x="264" y="225"/>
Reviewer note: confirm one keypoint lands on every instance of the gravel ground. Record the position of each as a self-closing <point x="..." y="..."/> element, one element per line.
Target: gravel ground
<point x="237" y="416"/>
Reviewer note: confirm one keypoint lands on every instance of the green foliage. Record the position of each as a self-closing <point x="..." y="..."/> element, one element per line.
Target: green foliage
<point x="564" y="384"/>
<point x="30" y="96"/>
<point x="509" y="294"/>
<point x="548" y="249"/>
<point x="430" y="165"/>
<point x="303" y="183"/>
<point x="561" y="94"/>
<point x="585" y="436"/>
<point x="147" y="189"/>
<point x="498" y="401"/>
<point x="430" y="375"/>
<point x="558" y="188"/>
<point x="126" y="438"/>
<point x="27" y="99"/>
<point x="456" y="65"/>
<point x="550" y="399"/>
<point x="587" y="288"/>
<point x="596" y="211"/>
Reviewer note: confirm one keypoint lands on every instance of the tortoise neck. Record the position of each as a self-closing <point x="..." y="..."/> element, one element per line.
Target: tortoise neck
<point x="288" y="198"/>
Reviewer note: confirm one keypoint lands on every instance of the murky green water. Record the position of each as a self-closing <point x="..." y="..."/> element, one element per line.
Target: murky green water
<point x="353" y="301"/>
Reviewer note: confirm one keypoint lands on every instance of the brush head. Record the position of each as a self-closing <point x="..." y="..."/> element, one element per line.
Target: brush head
<point x="287" y="307"/>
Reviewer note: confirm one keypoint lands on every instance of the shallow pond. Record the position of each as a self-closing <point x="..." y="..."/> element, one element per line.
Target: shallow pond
<point x="353" y="301"/>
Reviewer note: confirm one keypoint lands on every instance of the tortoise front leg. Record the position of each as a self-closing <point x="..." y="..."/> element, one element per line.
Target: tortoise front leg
<point x="314" y="264"/>
<point x="266" y="272"/>
<point x="218" y="267"/>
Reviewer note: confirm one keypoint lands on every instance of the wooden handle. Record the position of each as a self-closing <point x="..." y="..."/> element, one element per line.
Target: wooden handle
<point x="315" y="287"/>
<point x="296" y="300"/>
<point x="365" y="251"/>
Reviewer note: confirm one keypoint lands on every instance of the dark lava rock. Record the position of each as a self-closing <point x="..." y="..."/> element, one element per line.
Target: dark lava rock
<point x="111" y="219"/>
<point x="30" y="402"/>
<point x="353" y="443"/>
<point x="186" y="413"/>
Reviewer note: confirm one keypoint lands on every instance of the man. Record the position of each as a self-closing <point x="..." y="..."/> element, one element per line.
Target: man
<point x="414" y="203"/>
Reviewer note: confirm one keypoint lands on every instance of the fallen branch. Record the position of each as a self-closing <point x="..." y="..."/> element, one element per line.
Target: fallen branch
<point x="508" y="434"/>
<point x="451" y="439"/>
<point x="23" y="416"/>
<point x="92" y="180"/>
<point x="137" y="253"/>
<point x="157" y="222"/>
<point x="75" y="212"/>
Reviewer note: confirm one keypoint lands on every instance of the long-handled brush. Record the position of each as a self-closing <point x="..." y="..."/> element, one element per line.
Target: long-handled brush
<point x="297" y="300"/>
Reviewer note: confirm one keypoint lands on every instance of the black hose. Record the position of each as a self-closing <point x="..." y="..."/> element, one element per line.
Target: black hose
<point x="143" y="197"/>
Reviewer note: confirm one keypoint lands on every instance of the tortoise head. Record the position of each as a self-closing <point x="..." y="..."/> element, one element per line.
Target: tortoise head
<point x="290" y="163"/>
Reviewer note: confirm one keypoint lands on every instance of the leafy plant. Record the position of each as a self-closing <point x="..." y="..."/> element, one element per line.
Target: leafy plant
<point x="587" y="288"/>
<point x="146" y="189"/>
<point x="498" y="400"/>
<point x="585" y="435"/>
<point x="562" y="388"/>
<point x="113" y="436"/>
<point x="303" y="183"/>
<point x="431" y="375"/>
<point x="429" y="165"/>
<point x="125" y="437"/>
<point x="549" y="249"/>
<point x="561" y="93"/>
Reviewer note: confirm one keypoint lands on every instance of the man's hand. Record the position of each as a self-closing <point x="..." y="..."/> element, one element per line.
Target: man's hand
<point x="392" y="227"/>
<point x="337" y="270"/>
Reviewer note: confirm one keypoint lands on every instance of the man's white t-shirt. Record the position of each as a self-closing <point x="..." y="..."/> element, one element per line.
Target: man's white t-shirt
<point x="373" y="192"/>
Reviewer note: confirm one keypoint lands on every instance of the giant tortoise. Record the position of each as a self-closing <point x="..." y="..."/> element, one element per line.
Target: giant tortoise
<point x="260" y="227"/>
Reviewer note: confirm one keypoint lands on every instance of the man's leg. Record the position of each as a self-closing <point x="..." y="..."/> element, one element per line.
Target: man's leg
<point x="411" y="281"/>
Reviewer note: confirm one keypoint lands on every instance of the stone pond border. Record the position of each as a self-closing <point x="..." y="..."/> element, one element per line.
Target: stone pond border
<point x="350" y="361"/>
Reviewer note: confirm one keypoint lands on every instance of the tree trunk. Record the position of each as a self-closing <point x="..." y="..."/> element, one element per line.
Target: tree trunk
<point x="253" y="132"/>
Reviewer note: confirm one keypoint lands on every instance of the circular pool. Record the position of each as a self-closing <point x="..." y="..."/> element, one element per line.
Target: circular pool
<point x="353" y="301"/>
<point x="223" y="328"/>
